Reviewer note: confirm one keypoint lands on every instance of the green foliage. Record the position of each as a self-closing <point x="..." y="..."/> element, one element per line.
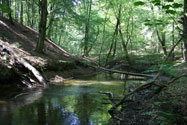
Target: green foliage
<point x="139" y="3"/>
<point x="156" y="2"/>
<point x="67" y="22"/>
<point x="5" y="9"/>
<point x="177" y="5"/>
<point x="170" y="0"/>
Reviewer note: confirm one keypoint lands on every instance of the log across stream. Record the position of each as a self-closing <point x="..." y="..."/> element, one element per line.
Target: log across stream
<point x="72" y="102"/>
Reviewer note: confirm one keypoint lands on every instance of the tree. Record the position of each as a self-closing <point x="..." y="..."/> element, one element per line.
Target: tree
<point x="87" y="28"/>
<point x="185" y="29"/>
<point x="21" y="12"/>
<point x="42" y="26"/>
<point x="8" y="4"/>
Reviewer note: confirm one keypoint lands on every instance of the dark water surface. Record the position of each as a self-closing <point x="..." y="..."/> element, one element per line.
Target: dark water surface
<point x="75" y="102"/>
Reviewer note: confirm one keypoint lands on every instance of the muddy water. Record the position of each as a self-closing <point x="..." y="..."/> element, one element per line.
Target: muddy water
<point x="74" y="102"/>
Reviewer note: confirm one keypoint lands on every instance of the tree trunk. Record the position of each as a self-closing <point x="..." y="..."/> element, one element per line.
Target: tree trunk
<point x="28" y="13"/>
<point x="162" y="41"/>
<point x="42" y="26"/>
<point x="8" y="3"/>
<point x="15" y="9"/>
<point x="87" y="28"/>
<point x="185" y="30"/>
<point x="21" y="13"/>
<point x="103" y="38"/>
<point x="51" y="21"/>
<point x="33" y="13"/>
<point x="113" y="39"/>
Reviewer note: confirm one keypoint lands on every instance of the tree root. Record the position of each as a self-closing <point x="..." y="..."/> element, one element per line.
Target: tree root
<point x="15" y="60"/>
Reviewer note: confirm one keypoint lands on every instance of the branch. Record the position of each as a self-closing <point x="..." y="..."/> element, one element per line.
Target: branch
<point x="148" y="84"/>
<point x="174" y="79"/>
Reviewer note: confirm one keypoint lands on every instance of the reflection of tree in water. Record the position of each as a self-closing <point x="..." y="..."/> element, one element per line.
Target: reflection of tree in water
<point x="42" y="112"/>
<point x="84" y="107"/>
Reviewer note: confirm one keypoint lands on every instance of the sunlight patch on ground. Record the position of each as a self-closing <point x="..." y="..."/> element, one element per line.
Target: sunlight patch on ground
<point x="90" y="82"/>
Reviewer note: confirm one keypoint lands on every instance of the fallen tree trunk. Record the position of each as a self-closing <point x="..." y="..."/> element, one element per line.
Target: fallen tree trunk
<point x="76" y="58"/>
<point x="95" y="63"/>
<point x="126" y="73"/>
<point x="16" y="59"/>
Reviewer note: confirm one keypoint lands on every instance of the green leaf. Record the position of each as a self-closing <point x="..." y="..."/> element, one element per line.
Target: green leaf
<point x="166" y="7"/>
<point x="177" y="5"/>
<point x="156" y="2"/>
<point x="139" y="3"/>
<point x="147" y="20"/>
<point x="148" y="24"/>
<point x="158" y="24"/>
<point x="170" y="0"/>
<point x="170" y="11"/>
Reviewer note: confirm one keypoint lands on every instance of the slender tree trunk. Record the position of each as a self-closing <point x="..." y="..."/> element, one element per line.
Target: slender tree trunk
<point x="50" y="25"/>
<point x="42" y="26"/>
<point x="162" y="41"/>
<point x="132" y="31"/>
<point x="33" y="13"/>
<point x="112" y="44"/>
<point x="51" y="21"/>
<point x="173" y="40"/>
<point x="87" y="28"/>
<point x="124" y="46"/>
<point x="28" y="13"/>
<point x="15" y="10"/>
<point x="96" y="36"/>
<point x="21" y="13"/>
<point x="114" y="39"/>
<point x="8" y="3"/>
<point x="185" y="30"/>
<point x="103" y="38"/>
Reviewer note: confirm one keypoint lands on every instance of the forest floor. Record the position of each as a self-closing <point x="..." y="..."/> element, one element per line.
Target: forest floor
<point x="169" y="107"/>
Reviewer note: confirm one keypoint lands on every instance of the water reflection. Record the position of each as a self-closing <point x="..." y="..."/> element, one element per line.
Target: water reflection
<point x="76" y="102"/>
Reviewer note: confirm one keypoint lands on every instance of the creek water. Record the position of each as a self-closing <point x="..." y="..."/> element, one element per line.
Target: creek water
<point x="73" y="102"/>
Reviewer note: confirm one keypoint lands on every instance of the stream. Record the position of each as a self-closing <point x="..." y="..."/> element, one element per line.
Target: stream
<point x="74" y="102"/>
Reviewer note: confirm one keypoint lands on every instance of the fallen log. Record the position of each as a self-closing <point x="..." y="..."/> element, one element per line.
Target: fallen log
<point x="19" y="60"/>
<point x="126" y="73"/>
<point x="93" y="62"/>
